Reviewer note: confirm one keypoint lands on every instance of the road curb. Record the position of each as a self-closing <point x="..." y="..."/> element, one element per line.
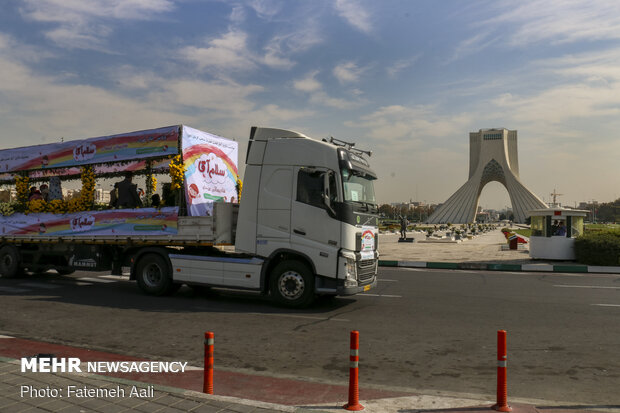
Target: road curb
<point x="577" y="268"/>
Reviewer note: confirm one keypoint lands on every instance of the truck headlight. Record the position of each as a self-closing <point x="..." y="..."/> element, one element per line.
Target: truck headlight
<point x="351" y="273"/>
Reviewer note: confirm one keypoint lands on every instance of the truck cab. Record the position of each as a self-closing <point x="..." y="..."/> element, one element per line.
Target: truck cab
<point x="308" y="209"/>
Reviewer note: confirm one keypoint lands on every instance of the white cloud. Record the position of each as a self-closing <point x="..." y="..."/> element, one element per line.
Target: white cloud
<point x="348" y="72"/>
<point x="86" y="24"/>
<point x="45" y="107"/>
<point x="400" y="65"/>
<point x="354" y="14"/>
<point x="401" y="123"/>
<point x="228" y="52"/>
<point x="322" y="98"/>
<point x="266" y="9"/>
<point x="561" y="21"/>
<point x="237" y="15"/>
<point x="585" y="87"/>
<point x="308" y="83"/>
<point x="527" y="22"/>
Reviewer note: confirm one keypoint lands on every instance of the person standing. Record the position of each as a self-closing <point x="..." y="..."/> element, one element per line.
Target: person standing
<point x="128" y="193"/>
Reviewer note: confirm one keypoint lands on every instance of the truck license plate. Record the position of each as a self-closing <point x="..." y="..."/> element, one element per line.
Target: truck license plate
<point x="366" y="288"/>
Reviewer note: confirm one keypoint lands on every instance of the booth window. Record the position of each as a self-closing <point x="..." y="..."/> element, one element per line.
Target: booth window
<point x="538" y="226"/>
<point x="576" y="227"/>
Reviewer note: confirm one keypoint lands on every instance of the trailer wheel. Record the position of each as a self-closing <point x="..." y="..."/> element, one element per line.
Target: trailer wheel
<point x="10" y="262"/>
<point x="153" y="275"/>
<point x="292" y="284"/>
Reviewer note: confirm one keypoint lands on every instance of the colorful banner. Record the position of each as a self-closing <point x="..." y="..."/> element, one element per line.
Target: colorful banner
<point x="210" y="170"/>
<point x="112" y="222"/>
<point x="116" y="148"/>
<point x="158" y="166"/>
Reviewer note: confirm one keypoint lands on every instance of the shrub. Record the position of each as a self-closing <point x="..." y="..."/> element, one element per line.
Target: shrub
<point x="598" y="248"/>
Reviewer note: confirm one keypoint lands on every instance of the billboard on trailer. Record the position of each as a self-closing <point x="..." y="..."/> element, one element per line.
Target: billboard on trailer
<point x="211" y="173"/>
<point x="131" y="146"/>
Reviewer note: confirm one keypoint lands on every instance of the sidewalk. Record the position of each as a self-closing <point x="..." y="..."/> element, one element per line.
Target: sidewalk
<point x="171" y="393"/>
<point x="483" y="252"/>
<point x="164" y="399"/>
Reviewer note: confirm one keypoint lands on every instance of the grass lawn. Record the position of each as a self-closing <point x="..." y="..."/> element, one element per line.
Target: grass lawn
<point x="525" y="232"/>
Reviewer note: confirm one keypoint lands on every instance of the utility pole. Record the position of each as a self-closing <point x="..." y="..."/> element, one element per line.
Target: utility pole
<point x="554" y="194"/>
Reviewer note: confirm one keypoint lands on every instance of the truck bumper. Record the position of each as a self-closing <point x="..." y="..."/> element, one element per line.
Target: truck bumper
<point x="342" y="290"/>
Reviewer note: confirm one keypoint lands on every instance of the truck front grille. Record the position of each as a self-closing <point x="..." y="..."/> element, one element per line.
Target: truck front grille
<point x="366" y="269"/>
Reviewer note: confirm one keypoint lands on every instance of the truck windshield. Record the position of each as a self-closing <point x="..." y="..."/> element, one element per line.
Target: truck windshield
<point x="358" y="187"/>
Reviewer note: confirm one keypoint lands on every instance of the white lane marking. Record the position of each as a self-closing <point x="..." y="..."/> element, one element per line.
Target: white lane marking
<point x="95" y="280"/>
<point x="381" y="295"/>
<point x="594" y="287"/>
<point x="300" y="316"/>
<point x="40" y="285"/>
<point x="13" y="290"/>
<point x="606" y="305"/>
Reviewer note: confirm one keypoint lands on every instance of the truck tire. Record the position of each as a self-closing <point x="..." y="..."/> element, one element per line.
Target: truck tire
<point x="153" y="275"/>
<point x="10" y="260"/>
<point x="292" y="284"/>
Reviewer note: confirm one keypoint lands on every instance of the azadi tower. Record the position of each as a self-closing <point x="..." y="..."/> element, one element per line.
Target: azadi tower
<point x="492" y="157"/>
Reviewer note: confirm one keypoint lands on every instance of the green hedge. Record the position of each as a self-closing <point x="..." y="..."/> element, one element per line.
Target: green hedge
<point x="599" y="248"/>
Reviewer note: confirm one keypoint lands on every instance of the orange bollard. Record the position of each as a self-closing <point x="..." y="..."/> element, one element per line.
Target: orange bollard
<point x="354" y="358"/>
<point x="502" y="386"/>
<point x="207" y="387"/>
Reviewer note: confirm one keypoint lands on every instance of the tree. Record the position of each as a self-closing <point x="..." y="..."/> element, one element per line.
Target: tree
<point x="386" y="210"/>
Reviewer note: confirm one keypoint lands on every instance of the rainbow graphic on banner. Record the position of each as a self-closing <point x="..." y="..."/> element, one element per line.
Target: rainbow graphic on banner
<point x="210" y="170"/>
<point x="132" y="146"/>
<point x="113" y="222"/>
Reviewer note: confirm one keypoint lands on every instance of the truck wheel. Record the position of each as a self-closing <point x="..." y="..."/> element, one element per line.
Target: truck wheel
<point x="10" y="262"/>
<point x="292" y="284"/>
<point x="153" y="275"/>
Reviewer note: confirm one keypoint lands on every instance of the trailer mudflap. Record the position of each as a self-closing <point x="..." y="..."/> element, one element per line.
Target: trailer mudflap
<point x="90" y="257"/>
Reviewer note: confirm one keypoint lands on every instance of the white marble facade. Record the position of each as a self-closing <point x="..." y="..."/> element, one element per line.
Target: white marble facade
<point x="492" y="157"/>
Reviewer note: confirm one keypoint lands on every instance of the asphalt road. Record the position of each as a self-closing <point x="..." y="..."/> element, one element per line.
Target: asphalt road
<point x="419" y="329"/>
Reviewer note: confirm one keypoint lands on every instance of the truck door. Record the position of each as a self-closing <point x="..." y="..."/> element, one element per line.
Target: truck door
<point x="313" y="231"/>
<point x="274" y="204"/>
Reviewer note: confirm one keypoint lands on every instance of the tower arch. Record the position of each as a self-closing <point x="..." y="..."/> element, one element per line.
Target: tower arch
<point x="492" y="157"/>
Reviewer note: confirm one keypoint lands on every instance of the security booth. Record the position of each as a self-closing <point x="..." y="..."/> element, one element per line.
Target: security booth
<point x="554" y="231"/>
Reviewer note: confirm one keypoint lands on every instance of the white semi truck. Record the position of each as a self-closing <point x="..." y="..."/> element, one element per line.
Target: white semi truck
<point x="306" y="224"/>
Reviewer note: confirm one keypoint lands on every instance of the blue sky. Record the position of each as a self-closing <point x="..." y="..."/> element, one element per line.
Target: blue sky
<point x="407" y="79"/>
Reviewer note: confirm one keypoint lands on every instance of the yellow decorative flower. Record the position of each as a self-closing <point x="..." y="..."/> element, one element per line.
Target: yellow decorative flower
<point x="22" y="185"/>
<point x="177" y="172"/>
<point x="87" y="195"/>
<point x="56" y="206"/>
<point x="239" y="188"/>
<point x="6" y="209"/>
<point x="37" y="205"/>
